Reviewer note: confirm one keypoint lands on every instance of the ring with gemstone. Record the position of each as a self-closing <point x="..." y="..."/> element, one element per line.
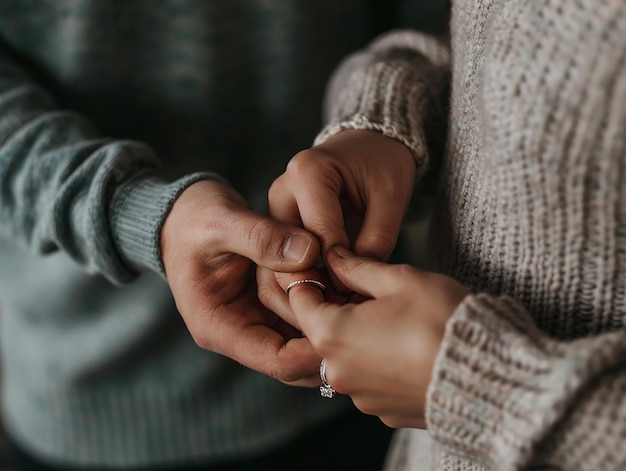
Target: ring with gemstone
<point x="326" y="390"/>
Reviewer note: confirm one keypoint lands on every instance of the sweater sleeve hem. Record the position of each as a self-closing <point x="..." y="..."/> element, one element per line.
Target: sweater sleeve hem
<point x="387" y="128"/>
<point x="500" y="384"/>
<point x="392" y="87"/>
<point x="138" y="211"/>
<point x="379" y="98"/>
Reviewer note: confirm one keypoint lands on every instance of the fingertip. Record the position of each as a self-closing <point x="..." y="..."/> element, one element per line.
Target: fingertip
<point x="376" y="246"/>
<point x="337" y="257"/>
<point x="354" y="272"/>
<point x="339" y="252"/>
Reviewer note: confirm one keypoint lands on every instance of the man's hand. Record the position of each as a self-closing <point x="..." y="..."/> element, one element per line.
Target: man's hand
<point x="209" y="242"/>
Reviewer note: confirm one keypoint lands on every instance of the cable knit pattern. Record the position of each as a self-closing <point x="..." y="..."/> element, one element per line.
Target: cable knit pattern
<point x="532" y="216"/>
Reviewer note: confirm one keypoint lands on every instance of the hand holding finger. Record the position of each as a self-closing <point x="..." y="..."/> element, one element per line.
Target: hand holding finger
<point x="381" y="352"/>
<point x="208" y="241"/>
<point x="310" y="189"/>
<point x="372" y="173"/>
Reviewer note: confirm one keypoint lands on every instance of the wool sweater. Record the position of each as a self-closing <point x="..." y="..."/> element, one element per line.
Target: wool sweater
<point x="530" y="214"/>
<point x="108" y="110"/>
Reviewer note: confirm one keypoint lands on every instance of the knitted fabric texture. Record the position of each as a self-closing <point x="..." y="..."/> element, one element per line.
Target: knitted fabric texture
<point x="108" y="110"/>
<point x="531" y="215"/>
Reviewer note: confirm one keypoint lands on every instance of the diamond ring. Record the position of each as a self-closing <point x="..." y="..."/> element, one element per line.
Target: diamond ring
<point x="326" y="390"/>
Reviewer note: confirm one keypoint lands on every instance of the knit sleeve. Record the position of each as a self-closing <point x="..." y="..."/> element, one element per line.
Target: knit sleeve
<point x="63" y="187"/>
<point x="506" y="395"/>
<point x="396" y="86"/>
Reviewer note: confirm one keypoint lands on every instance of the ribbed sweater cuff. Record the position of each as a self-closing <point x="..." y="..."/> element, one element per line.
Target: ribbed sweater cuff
<point x="384" y="97"/>
<point x="390" y="87"/>
<point x="499" y="384"/>
<point x="138" y="211"/>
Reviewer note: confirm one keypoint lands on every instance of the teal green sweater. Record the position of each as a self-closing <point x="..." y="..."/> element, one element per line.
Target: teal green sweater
<point x="108" y="110"/>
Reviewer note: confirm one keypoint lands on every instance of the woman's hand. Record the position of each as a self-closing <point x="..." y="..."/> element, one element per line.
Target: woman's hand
<point x="382" y="351"/>
<point x="352" y="190"/>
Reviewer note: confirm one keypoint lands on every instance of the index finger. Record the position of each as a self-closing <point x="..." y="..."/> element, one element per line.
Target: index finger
<point x="381" y="226"/>
<point x="316" y="186"/>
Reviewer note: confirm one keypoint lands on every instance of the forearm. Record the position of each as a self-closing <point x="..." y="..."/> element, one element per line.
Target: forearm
<point x="506" y="395"/>
<point x="64" y="188"/>
<point x="397" y="86"/>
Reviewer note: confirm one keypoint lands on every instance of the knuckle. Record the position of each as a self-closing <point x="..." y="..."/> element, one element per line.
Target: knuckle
<point x="309" y="161"/>
<point x="200" y="322"/>
<point x="267" y="286"/>
<point x="214" y="230"/>
<point x="286" y="374"/>
<point x="400" y="275"/>
<point x="358" y="264"/>
<point x="265" y="292"/>
<point x="301" y="162"/>
<point x="404" y="269"/>
<point x="280" y="280"/>
<point x="277" y="189"/>
<point x="365" y="406"/>
<point x="269" y="292"/>
<point x="260" y="238"/>
<point x="326" y="339"/>
<point x="339" y="380"/>
<point x="391" y="421"/>
<point x="325" y="232"/>
<point x="200" y="340"/>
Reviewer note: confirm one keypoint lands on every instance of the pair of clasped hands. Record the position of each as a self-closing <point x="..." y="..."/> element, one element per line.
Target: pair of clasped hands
<point x="228" y="267"/>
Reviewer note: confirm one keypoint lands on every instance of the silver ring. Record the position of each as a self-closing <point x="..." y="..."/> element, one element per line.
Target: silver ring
<point x="326" y="390"/>
<point x="317" y="284"/>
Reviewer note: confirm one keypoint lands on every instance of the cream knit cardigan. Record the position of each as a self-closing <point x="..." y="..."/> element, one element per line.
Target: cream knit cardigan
<point x="531" y="216"/>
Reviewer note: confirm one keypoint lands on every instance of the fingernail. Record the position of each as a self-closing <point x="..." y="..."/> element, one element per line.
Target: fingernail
<point x="296" y="248"/>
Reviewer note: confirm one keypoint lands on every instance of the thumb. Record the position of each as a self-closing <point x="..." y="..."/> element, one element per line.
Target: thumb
<point x="360" y="274"/>
<point x="270" y="243"/>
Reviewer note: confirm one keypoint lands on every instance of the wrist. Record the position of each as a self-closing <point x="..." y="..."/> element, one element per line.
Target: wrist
<point x="138" y="210"/>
